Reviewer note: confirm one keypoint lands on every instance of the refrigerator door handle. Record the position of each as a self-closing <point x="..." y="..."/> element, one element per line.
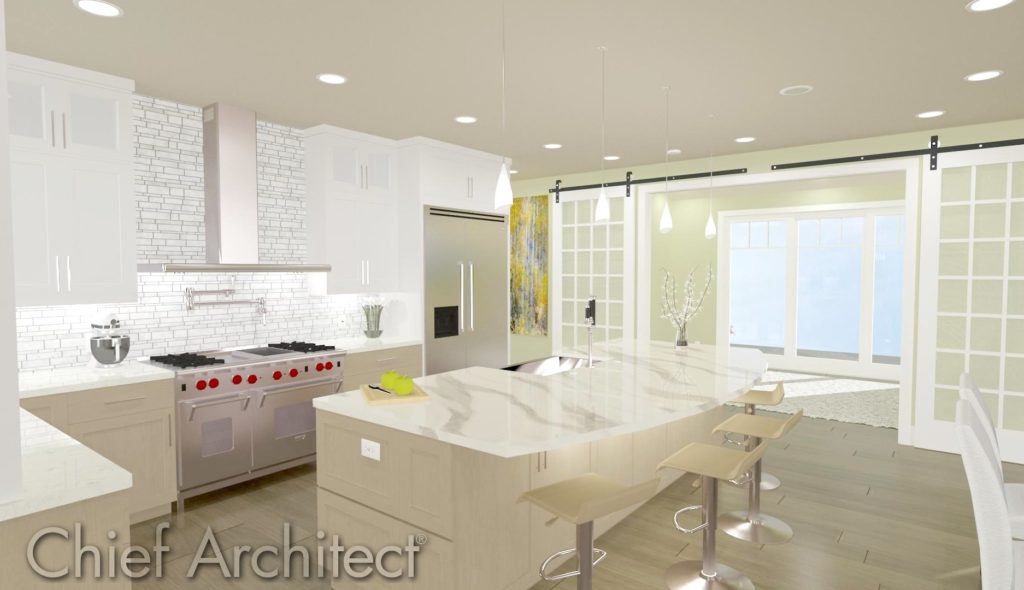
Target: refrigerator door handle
<point x="462" y="297"/>
<point x="472" y="300"/>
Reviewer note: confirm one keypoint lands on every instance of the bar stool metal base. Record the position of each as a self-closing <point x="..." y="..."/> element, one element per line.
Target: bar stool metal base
<point x="688" y="575"/>
<point x="766" y="530"/>
<point x="769" y="482"/>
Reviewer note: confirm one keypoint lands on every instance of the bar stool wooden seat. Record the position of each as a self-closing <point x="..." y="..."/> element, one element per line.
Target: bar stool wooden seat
<point x="581" y="501"/>
<point x="750" y="401"/>
<point x="751" y="525"/>
<point x="712" y="463"/>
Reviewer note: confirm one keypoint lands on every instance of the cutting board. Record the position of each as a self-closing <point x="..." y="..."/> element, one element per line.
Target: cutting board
<point x="375" y="397"/>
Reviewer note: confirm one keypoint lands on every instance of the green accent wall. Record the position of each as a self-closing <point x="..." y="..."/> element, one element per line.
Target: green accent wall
<point x="685" y="247"/>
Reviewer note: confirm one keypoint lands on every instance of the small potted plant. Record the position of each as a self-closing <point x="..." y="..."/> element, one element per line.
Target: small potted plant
<point x="373" y="306"/>
<point x="692" y="303"/>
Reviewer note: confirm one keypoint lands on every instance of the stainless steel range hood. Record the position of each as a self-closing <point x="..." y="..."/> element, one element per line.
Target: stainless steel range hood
<point x="229" y="169"/>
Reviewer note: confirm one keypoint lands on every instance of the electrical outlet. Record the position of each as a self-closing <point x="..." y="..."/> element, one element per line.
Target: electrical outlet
<point x="370" y="449"/>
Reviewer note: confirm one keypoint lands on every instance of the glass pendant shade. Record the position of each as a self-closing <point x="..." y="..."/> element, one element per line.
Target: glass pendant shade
<point x="602" y="212"/>
<point x="503" y="193"/>
<point x="710" y="231"/>
<point x="665" y="225"/>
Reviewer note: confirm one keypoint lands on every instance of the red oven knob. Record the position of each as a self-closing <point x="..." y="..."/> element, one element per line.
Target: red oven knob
<point x="236" y="379"/>
<point x="201" y="384"/>
<point x="319" y="367"/>
<point x="277" y="375"/>
<point x="329" y="365"/>
<point x="214" y="383"/>
<point x="252" y="379"/>
<point x="294" y="373"/>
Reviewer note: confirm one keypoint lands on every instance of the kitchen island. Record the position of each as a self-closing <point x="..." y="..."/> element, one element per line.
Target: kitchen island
<point x="451" y="468"/>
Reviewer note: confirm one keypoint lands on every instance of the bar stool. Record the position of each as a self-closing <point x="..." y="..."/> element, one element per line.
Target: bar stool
<point x="752" y="525"/>
<point x="712" y="463"/>
<point x="581" y="501"/>
<point x="750" y="401"/>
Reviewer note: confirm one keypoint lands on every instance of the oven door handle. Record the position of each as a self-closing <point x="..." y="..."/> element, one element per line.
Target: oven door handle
<point x="300" y="385"/>
<point x="265" y="393"/>
<point x="244" y="398"/>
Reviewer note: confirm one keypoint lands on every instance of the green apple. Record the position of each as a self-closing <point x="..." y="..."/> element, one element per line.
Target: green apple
<point x="403" y="386"/>
<point x="388" y="380"/>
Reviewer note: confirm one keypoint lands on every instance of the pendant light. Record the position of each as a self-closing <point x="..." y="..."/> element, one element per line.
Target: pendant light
<point x="665" y="225"/>
<point x="602" y="211"/>
<point x="710" y="230"/>
<point x="503" y="193"/>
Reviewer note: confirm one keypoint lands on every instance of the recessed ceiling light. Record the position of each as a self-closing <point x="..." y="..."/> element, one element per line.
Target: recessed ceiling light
<point x="99" y="7"/>
<point x="674" y="152"/>
<point x="465" y="119"/>
<point x="796" y="90"/>
<point x="986" y="5"/>
<point x="930" y="114"/>
<point x="611" y="158"/>
<point x="513" y="172"/>
<point x="982" y="76"/>
<point x="552" y="146"/>
<point x="332" y="79"/>
<point x="745" y="139"/>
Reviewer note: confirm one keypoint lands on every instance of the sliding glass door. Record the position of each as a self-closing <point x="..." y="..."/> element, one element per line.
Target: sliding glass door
<point x="820" y="290"/>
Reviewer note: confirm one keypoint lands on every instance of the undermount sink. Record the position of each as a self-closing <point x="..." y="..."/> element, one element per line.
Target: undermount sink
<point x="551" y="365"/>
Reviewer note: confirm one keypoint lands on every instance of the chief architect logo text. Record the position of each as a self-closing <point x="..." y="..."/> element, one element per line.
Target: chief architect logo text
<point x="326" y="560"/>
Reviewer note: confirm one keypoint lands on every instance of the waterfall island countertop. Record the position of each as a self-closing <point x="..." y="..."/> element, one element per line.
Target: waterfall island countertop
<point x="633" y="386"/>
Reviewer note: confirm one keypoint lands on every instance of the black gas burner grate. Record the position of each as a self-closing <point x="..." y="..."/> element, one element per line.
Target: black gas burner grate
<point x="186" y="360"/>
<point x="301" y="346"/>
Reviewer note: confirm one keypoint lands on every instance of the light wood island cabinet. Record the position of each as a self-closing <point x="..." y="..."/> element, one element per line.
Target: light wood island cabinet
<point x="466" y="501"/>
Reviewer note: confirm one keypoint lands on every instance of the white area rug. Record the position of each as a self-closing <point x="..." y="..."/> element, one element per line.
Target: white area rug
<point x="875" y="403"/>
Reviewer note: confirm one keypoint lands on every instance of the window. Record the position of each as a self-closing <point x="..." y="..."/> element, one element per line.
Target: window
<point x="757" y="276"/>
<point x="829" y="279"/>
<point x="821" y="287"/>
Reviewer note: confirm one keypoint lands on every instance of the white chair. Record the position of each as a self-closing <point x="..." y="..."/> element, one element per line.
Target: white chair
<point x="1002" y="558"/>
<point x="1014" y="491"/>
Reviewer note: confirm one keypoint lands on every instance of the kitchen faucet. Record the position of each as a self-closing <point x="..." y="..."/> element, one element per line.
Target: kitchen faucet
<point x="590" y="319"/>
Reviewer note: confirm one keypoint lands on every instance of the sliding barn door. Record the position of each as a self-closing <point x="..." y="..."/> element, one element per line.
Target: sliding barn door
<point x="971" y="308"/>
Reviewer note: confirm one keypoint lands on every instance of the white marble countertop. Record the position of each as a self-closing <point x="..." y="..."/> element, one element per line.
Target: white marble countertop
<point x="357" y="345"/>
<point x="69" y="379"/>
<point x="635" y="387"/>
<point x="57" y="470"/>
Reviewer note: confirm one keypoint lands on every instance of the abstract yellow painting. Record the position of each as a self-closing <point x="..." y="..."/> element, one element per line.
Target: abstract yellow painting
<point x="529" y="266"/>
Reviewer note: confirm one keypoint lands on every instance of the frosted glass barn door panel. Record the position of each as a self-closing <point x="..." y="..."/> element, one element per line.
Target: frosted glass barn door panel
<point x="972" y="295"/>
<point x="592" y="258"/>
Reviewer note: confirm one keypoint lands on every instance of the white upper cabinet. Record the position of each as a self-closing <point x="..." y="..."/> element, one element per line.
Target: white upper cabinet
<point x="72" y="185"/>
<point x="352" y="209"/>
<point x="454" y="176"/>
<point x="354" y="163"/>
<point x="67" y="110"/>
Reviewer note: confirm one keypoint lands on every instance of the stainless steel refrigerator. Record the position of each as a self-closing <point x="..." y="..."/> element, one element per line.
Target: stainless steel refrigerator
<point x="466" y="268"/>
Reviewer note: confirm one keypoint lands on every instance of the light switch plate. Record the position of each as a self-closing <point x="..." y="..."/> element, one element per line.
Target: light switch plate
<point x="370" y="449"/>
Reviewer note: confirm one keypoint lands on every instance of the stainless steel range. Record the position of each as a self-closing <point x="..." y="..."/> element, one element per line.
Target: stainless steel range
<point x="243" y="414"/>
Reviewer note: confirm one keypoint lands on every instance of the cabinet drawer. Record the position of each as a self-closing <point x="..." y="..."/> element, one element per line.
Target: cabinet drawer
<point x="358" y="525"/>
<point x="120" y="400"/>
<point x="378" y="361"/>
<point x="411" y="481"/>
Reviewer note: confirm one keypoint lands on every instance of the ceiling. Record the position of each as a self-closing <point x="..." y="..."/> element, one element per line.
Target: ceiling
<point x="413" y="66"/>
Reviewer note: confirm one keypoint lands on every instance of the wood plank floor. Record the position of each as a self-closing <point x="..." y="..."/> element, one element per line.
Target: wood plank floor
<point x="867" y="515"/>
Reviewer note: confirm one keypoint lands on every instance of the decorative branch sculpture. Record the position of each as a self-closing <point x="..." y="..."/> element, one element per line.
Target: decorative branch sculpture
<point x="692" y="304"/>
